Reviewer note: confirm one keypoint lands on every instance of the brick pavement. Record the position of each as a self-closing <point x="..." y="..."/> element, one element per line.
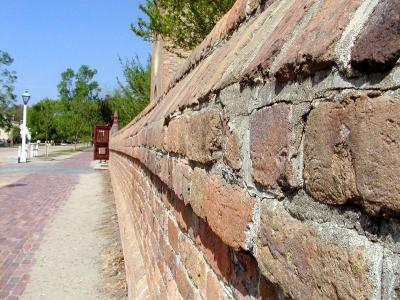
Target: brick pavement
<point x="26" y="206"/>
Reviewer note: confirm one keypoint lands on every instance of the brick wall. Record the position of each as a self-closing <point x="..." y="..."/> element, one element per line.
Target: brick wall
<point x="163" y="67"/>
<point x="268" y="168"/>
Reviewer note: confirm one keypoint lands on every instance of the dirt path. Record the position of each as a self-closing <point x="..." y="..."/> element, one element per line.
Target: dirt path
<point x="59" y="235"/>
<point x="68" y="261"/>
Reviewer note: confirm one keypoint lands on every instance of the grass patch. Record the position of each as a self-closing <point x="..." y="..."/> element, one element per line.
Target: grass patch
<point x="61" y="152"/>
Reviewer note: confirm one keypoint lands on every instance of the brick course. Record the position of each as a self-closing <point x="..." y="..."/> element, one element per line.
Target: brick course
<point x="263" y="170"/>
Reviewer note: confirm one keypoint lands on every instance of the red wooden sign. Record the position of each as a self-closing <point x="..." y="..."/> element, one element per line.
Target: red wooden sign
<point x="101" y="141"/>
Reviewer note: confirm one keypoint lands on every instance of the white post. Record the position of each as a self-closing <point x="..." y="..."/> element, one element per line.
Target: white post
<point x="19" y="154"/>
<point x="23" y="135"/>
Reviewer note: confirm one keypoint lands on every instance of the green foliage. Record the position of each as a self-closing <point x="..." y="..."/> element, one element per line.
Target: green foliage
<point x="133" y="95"/>
<point x="15" y="113"/>
<point x="79" y="110"/>
<point x="7" y="96"/>
<point x="79" y="107"/>
<point x="184" y="23"/>
<point x="42" y="119"/>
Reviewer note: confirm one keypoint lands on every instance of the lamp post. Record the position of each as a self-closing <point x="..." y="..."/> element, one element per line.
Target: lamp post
<point x="25" y="98"/>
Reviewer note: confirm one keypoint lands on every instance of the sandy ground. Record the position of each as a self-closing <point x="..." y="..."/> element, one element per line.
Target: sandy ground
<point x="70" y="258"/>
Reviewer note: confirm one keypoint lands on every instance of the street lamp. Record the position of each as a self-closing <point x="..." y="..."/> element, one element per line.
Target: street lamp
<point x="25" y="98"/>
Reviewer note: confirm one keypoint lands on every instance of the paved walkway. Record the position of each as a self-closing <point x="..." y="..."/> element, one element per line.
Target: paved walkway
<point x="32" y="195"/>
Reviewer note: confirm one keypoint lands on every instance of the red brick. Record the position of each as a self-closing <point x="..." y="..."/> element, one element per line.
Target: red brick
<point x="244" y="277"/>
<point x="199" y="181"/>
<point x="176" y="136"/>
<point x="204" y="136"/>
<point x="183" y="214"/>
<point x="181" y="177"/>
<point x="231" y="148"/>
<point x="166" y="171"/>
<point x="273" y="44"/>
<point x="269" y="141"/>
<point x="377" y="47"/>
<point x="313" y="49"/>
<point x="236" y="14"/>
<point x="173" y="235"/>
<point x="169" y="256"/>
<point x="267" y="290"/>
<point x="351" y="153"/>
<point x="216" y="253"/>
<point x="292" y="255"/>
<point x="214" y="288"/>
<point x="228" y="204"/>
<point x="183" y="283"/>
<point x="193" y="262"/>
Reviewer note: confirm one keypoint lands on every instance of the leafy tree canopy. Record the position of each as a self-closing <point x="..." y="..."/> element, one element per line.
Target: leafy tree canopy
<point x="133" y="94"/>
<point x="184" y="23"/>
<point x="42" y="119"/>
<point x="79" y="96"/>
<point x="7" y="96"/>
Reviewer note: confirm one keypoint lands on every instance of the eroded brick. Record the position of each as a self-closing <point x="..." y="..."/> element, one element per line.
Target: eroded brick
<point x="193" y="262"/>
<point x="352" y="153"/>
<point x="269" y="141"/>
<point x="294" y="256"/>
<point x="313" y="49"/>
<point x="224" y="204"/>
<point x="216" y="253"/>
<point x="377" y="47"/>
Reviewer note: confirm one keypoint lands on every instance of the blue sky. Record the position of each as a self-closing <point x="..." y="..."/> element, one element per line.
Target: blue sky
<point x="46" y="36"/>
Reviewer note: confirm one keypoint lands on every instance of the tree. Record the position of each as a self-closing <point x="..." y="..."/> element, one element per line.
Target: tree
<point x="42" y="119"/>
<point x="7" y="96"/>
<point x="184" y="23"/>
<point x="133" y="94"/>
<point x="15" y="113"/>
<point x="79" y="95"/>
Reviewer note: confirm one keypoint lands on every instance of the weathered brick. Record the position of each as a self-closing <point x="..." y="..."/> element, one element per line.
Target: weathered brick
<point x="352" y="153"/>
<point x="183" y="283"/>
<point x="214" y="288"/>
<point x="165" y="197"/>
<point x="173" y="235"/>
<point x="231" y="148"/>
<point x="377" y="47"/>
<point x="172" y="289"/>
<point x="313" y="49"/>
<point x="166" y="171"/>
<point x="223" y="204"/>
<point x="169" y="256"/>
<point x="269" y="141"/>
<point x="176" y="136"/>
<point x="252" y="5"/>
<point x="244" y="277"/>
<point x="216" y="253"/>
<point x="199" y="180"/>
<point x="276" y="39"/>
<point x="181" y="178"/>
<point x="236" y="14"/>
<point x="204" y="135"/>
<point x="193" y="262"/>
<point x="155" y="136"/>
<point x="310" y="263"/>
<point x="267" y="290"/>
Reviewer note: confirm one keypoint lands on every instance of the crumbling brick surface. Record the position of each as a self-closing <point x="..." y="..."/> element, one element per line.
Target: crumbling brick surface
<point x="268" y="166"/>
